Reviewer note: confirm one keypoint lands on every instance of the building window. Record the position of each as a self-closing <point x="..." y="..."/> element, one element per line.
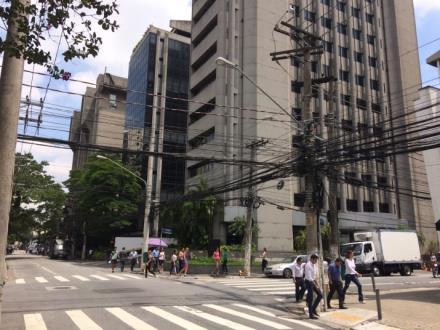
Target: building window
<point x="372" y="61"/>
<point x="297" y="113"/>
<point x="358" y="57"/>
<point x="207" y="30"/>
<point x="345" y="99"/>
<point x="361" y="103"/>
<point x="343" y="51"/>
<point x="309" y="16"/>
<point x="356" y="12"/>
<point x="357" y="34"/>
<point x="384" y="208"/>
<point x="368" y="206"/>
<point x="328" y="46"/>
<point x="371" y="39"/>
<point x="203" y="138"/>
<point x="204" y="57"/>
<point x="344" y="75"/>
<point x="342" y="28"/>
<point x="296" y="87"/>
<point x="374" y="84"/>
<point x="200" y="169"/>
<point x="112" y="100"/>
<point x="342" y="6"/>
<point x="314" y="66"/>
<point x="326" y="70"/>
<point x="202" y="111"/>
<point x="203" y="83"/>
<point x="352" y="205"/>
<point x="360" y="80"/>
<point x="326" y="22"/>
<point x="326" y="2"/>
<point x="370" y="18"/>
<point x="295" y="61"/>
<point x="376" y="107"/>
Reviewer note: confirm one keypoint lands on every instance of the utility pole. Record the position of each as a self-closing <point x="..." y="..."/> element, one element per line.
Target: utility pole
<point x="251" y="203"/>
<point x="332" y="215"/>
<point x="10" y="94"/>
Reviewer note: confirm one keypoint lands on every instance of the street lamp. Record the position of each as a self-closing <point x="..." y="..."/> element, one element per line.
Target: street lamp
<point x="146" y="231"/>
<point x="223" y="61"/>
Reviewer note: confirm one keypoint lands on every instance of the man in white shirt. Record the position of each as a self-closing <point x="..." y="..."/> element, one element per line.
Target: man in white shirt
<point x="298" y="278"/>
<point x="133" y="259"/>
<point x="311" y="275"/>
<point x="351" y="275"/>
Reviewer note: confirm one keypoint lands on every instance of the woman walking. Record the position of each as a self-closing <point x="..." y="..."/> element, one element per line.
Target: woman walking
<point x="182" y="264"/>
<point x="351" y="275"/>
<point x="263" y="257"/>
<point x="173" y="269"/>
<point x="161" y="260"/>
<point x="216" y="257"/>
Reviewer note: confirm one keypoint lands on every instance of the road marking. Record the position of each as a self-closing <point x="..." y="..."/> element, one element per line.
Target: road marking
<point x="81" y="278"/>
<point x="48" y="270"/>
<point x="101" y="278"/>
<point x="61" y="279"/>
<point x="284" y="318"/>
<point x="272" y="289"/>
<point x="279" y="292"/>
<point x="41" y="279"/>
<point x="82" y="321"/>
<point x="173" y="318"/>
<point x="117" y="277"/>
<point x="254" y="282"/>
<point x="20" y="281"/>
<point x="247" y="317"/>
<point x="129" y="319"/>
<point x="34" y="322"/>
<point x="132" y="276"/>
<point x="215" y="319"/>
<point x="263" y="285"/>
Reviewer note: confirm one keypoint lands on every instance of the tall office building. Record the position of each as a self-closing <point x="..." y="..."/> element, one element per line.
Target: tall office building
<point x="157" y="107"/>
<point x="370" y="46"/>
<point x="101" y="119"/>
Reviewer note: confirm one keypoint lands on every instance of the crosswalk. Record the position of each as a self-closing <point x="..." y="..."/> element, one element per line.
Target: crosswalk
<point x="78" y="278"/>
<point x="263" y="286"/>
<point x="199" y="317"/>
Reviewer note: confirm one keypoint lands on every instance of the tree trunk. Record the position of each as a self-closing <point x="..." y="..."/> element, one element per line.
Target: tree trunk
<point x="248" y="241"/>
<point x="84" y="245"/>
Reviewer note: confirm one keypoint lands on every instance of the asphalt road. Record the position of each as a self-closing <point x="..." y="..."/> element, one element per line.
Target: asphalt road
<point x="55" y="294"/>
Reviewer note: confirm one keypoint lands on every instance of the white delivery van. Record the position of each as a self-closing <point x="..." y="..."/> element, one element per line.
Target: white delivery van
<point x="384" y="252"/>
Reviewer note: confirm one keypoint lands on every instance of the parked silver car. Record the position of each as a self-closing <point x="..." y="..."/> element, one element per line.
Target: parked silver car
<point x="284" y="268"/>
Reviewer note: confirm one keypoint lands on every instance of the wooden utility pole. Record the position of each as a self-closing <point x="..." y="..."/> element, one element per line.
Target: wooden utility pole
<point x="10" y="94"/>
<point x="251" y="203"/>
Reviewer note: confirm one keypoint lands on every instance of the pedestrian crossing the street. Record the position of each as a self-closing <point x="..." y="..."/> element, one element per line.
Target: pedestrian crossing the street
<point x="263" y="286"/>
<point x="200" y="317"/>
<point x="77" y="278"/>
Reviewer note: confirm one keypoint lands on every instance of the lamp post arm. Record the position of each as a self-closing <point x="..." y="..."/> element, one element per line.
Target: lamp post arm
<point x="127" y="170"/>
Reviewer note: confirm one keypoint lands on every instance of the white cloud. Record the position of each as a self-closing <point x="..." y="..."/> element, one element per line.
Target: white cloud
<point x="424" y="7"/>
<point x="60" y="160"/>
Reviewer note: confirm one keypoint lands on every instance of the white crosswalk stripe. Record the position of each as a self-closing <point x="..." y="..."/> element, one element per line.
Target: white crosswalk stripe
<point x="34" y="322"/>
<point x="20" y="281"/>
<point x="281" y="293"/>
<point x="81" y="278"/>
<point x="173" y="318"/>
<point x="266" y="313"/>
<point x="129" y="319"/>
<point x="248" y="317"/>
<point x="101" y="278"/>
<point x="271" y="288"/>
<point x="40" y="279"/>
<point x="118" y="277"/>
<point x="61" y="279"/>
<point x="264" y="286"/>
<point x="133" y="276"/>
<point x="82" y="321"/>
<point x="215" y="319"/>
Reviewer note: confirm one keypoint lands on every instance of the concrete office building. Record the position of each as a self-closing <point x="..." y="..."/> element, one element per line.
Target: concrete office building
<point x="102" y="117"/>
<point x="428" y="110"/>
<point x="364" y="41"/>
<point x="157" y="96"/>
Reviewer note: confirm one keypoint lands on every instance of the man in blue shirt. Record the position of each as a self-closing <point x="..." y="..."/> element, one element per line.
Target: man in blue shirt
<point x="335" y="282"/>
<point x="155" y="255"/>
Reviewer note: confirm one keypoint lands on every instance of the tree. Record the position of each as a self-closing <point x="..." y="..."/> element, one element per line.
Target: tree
<point x="238" y="227"/>
<point x="192" y="219"/>
<point x="76" y="21"/>
<point x="103" y="197"/>
<point x="37" y="201"/>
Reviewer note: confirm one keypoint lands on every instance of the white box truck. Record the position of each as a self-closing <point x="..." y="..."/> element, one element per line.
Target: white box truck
<point x="384" y="252"/>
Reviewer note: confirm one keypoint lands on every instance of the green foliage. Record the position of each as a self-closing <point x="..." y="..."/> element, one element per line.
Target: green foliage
<point x="37" y="201"/>
<point x="74" y="20"/>
<point x="300" y="241"/>
<point x="422" y="239"/>
<point x="192" y="220"/>
<point x="103" y="196"/>
<point x="238" y="227"/>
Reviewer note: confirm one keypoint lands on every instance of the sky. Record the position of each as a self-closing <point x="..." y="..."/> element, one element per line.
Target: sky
<point x="134" y="19"/>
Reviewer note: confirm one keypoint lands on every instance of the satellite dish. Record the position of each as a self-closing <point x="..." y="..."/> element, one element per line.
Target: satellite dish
<point x="280" y="185"/>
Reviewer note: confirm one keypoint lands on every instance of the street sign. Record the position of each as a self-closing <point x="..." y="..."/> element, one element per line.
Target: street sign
<point x="167" y="231"/>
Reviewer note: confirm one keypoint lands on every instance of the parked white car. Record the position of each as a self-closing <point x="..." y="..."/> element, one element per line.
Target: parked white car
<point x="284" y="268"/>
